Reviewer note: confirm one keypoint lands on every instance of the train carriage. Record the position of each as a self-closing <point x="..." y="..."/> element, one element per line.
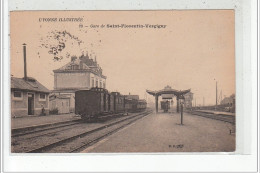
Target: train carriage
<point x="91" y="103"/>
<point x="119" y="102"/>
<point x="111" y="103"/>
<point x="131" y="105"/>
<point x="141" y="106"/>
<point x="103" y="93"/>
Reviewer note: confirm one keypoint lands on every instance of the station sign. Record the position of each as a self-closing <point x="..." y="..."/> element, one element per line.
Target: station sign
<point x="167" y="96"/>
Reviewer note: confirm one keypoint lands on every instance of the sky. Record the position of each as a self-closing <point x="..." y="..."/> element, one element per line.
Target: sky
<point x="194" y="50"/>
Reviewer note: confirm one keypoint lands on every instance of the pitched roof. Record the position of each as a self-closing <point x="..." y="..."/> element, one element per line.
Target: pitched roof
<point x="68" y="65"/>
<point x="30" y="84"/>
<point x="83" y="63"/>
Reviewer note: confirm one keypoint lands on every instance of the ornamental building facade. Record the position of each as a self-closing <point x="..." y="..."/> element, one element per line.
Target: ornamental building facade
<point x="79" y="74"/>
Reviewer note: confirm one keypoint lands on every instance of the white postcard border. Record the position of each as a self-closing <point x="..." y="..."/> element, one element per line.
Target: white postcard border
<point x="243" y="160"/>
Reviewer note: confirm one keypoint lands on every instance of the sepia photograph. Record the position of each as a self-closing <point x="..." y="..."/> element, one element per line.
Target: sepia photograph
<point x="123" y="81"/>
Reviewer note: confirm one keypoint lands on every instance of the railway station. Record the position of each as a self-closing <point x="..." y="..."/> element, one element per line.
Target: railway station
<point x="163" y="97"/>
<point x="81" y="115"/>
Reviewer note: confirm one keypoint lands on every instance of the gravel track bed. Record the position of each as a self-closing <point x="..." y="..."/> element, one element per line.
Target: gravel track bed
<point x="47" y="132"/>
<point x="37" y="129"/>
<point x="26" y="143"/>
<point x="91" y="138"/>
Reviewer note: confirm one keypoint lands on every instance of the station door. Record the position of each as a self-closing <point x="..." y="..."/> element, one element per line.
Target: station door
<point x="65" y="107"/>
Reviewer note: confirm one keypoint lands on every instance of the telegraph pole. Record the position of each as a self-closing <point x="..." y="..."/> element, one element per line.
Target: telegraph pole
<point x="181" y="113"/>
<point x="216" y="94"/>
<point x="220" y="97"/>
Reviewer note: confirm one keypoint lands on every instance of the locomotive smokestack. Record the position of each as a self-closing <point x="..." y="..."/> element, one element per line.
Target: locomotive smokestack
<point x="24" y="56"/>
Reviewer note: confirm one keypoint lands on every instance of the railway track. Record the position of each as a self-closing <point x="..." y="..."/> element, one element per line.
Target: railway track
<point x="221" y="117"/>
<point x="42" y="128"/>
<point x="47" y="129"/>
<point x="78" y="140"/>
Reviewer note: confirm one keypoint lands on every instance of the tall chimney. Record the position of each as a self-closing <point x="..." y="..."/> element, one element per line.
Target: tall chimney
<point x="24" y="55"/>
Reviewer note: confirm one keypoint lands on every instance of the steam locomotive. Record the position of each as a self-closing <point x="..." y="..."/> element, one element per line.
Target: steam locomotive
<point x="90" y="104"/>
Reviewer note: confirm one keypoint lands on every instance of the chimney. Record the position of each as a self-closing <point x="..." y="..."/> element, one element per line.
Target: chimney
<point x="24" y="55"/>
<point x="80" y="65"/>
<point x="87" y="55"/>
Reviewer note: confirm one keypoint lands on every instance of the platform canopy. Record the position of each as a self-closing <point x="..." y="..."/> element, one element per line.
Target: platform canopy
<point x="168" y="90"/>
<point x="168" y="93"/>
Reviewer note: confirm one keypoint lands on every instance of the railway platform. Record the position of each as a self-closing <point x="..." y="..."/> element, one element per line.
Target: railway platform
<point x="30" y="121"/>
<point x="162" y="132"/>
<point x="216" y="112"/>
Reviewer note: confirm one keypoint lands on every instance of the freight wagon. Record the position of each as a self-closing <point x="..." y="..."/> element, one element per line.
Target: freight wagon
<point x="90" y="104"/>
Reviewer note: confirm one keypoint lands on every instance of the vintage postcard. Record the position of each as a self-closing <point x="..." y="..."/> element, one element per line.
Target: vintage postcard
<point x="152" y="81"/>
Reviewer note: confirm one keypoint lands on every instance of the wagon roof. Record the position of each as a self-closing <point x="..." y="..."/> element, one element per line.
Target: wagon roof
<point x="142" y="100"/>
<point x="30" y="84"/>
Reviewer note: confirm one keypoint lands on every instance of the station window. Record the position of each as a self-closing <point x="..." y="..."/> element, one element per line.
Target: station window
<point x="100" y="83"/>
<point x="104" y="85"/>
<point x="96" y="83"/>
<point x="42" y="96"/>
<point x="18" y="94"/>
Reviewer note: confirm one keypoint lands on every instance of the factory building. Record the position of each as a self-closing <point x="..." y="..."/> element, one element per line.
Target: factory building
<point x="79" y="74"/>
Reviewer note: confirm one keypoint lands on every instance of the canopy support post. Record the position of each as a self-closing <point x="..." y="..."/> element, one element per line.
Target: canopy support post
<point x="156" y="103"/>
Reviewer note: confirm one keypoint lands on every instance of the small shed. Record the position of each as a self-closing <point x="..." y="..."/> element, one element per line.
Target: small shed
<point x="59" y="104"/>
<point x="28" y="97"/>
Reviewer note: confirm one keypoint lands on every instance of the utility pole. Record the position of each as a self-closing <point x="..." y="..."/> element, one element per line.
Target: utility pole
<point x="220" y="97"/>
<point x="216" y="94"/>
<point x="181" y="113"/>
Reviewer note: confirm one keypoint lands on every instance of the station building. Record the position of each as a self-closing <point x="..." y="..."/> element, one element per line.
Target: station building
<point x="28" y="97"/>
<point x="228" y="100"/>
<point x="79" y="74"/>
